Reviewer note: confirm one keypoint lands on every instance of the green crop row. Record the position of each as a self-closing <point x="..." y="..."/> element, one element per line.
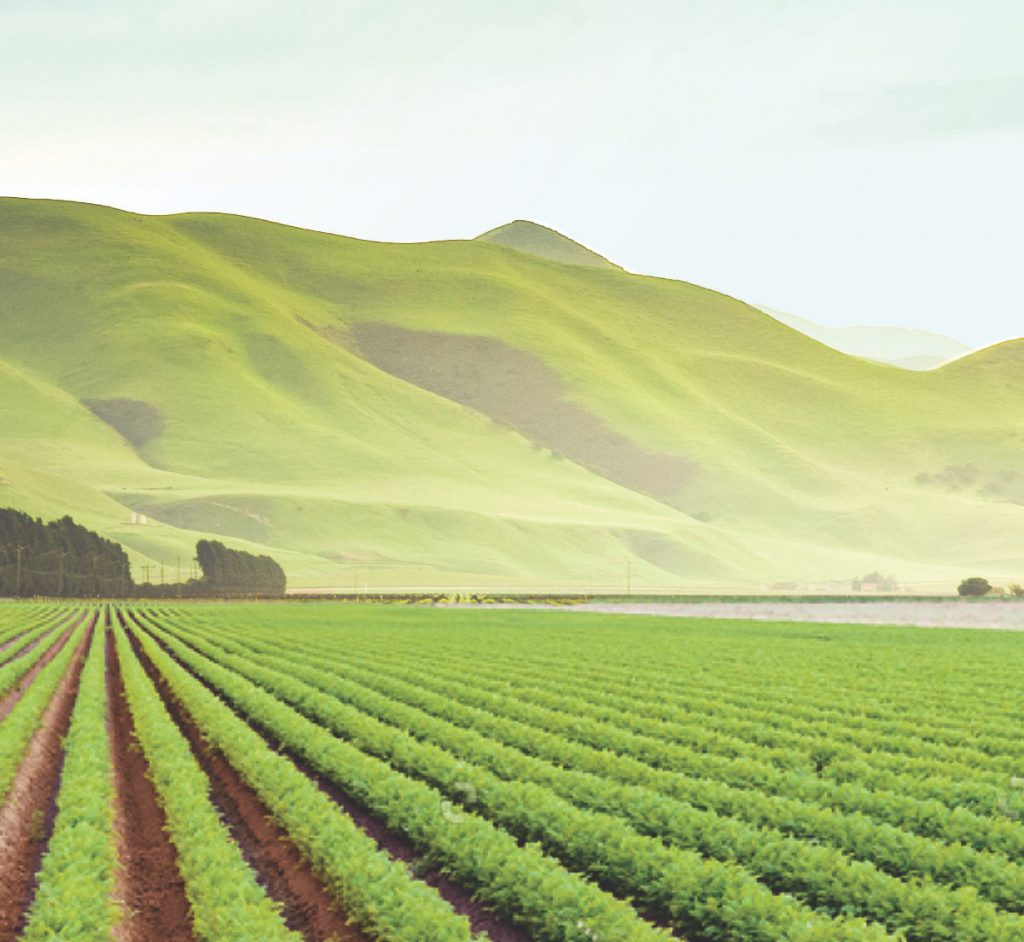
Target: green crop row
<point x="823" y="876"/>
<point x="20" y="632"/>
<point x="22" y="722"/>
<point x="663" y="696"/>
<point x="228" y="904"/>
<point x="690" y="892"/>
<point x="520" y="882"/>
<point x="14" y="670"/>
<point x="753" y="721"/>
<point x="995" y="876"/>
<point x="998" y="834"/>
<point x="658" y="745"/>
<point x="75" y="899"/>
<point x="665" y="693"/>
<point x="375" y="891"/>
<point x="954" y="783"/>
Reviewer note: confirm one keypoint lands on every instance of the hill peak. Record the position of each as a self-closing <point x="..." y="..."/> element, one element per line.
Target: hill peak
<point x="535" y="239"/>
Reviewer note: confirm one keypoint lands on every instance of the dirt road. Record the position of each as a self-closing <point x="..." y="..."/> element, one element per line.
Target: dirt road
<point x="1008" y="616"/>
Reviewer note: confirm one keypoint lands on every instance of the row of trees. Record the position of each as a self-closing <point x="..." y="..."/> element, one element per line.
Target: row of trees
<point x="234" y="572"/>
<point x="59" y="558"/>
<point x="64" y="559"/>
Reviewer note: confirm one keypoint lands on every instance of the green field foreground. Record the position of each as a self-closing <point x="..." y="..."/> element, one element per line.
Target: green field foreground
<point x="574" y="777"/>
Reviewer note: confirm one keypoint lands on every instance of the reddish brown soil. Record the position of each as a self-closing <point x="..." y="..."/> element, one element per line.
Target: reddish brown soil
<point x="26" y="818"/>
<point x="482" y="919"/>
<point x="9" y="643"/>
<point x="149" y="882"/>
<point x="308" y="907"/>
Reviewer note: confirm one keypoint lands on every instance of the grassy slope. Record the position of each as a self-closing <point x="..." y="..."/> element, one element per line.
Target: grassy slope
<point x="279" y="433"/>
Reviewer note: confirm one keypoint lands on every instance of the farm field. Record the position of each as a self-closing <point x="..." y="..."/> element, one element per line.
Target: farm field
<point x="230" y="772"/>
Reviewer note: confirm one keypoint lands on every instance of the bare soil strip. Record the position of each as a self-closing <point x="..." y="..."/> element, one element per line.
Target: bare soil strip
<point x="308" y="907"/>
<point x="482" y="919"/>
<point x="149" y="882"/>
<point x="24" y="649"/>
<point x="1000" y="615"/>
<point x="10" y="701"/>
<point x="26" y="819"/>
<point x="9" y="643"/>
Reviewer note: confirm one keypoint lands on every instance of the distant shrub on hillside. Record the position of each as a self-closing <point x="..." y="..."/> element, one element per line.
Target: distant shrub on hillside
<point x="875" y="582"/>
<point x="975" y="586"/>
<point x="955" y="477"/>
<point x="1016" y="590"/>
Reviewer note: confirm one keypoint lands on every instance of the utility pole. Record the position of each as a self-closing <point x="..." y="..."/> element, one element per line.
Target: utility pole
<point x="179" y="575"/>
<point x="161" y="573"/>
<point x="629" y="577"/>
<point x="60" y="576"/>
<point x="145" y="571"/>
<point x="17" y="584"/>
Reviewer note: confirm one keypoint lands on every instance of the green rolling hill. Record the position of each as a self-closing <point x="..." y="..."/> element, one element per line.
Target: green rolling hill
<point x="505" y="411"/>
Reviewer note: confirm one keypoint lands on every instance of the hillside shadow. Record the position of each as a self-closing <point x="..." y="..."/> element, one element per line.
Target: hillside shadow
<point x="520" y="391"/>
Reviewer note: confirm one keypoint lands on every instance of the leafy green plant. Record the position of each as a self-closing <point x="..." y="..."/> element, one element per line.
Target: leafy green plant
<point x="22" y="722"/>
<point x="376" y="891"/>
<point x="228" y="904"/>
<point x="15" y="669"/>
<point x="75" y="899"/>
<point x="519" y="881"/>
<point x="823" y="876"/>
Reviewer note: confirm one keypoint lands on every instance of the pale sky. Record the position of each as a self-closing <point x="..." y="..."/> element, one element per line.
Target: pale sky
<point x="849" y="162"/>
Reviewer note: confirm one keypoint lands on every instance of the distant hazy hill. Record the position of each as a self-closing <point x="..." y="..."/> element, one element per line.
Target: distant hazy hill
<point x="465" y="413"/>
<point x="544" y="242"/>
<point x="899" y="346"/>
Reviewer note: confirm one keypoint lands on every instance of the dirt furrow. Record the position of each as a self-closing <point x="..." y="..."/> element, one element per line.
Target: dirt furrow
<point x="307" y="906"/>
<point x="13" y="655"/>
<point x="149" y="883"/>
<point x="10" y="643"/>
<point x="482" y="919"/>
<point x="26" y="818"/>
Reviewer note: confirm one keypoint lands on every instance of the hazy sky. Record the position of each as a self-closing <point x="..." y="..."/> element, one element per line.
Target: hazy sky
<point x="849" y="162"/>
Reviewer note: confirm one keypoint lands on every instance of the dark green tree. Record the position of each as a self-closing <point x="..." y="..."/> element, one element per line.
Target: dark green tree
<point x="59" y="558"/>
<point x="235" y="572"/>
<point x="975" y="586"/>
